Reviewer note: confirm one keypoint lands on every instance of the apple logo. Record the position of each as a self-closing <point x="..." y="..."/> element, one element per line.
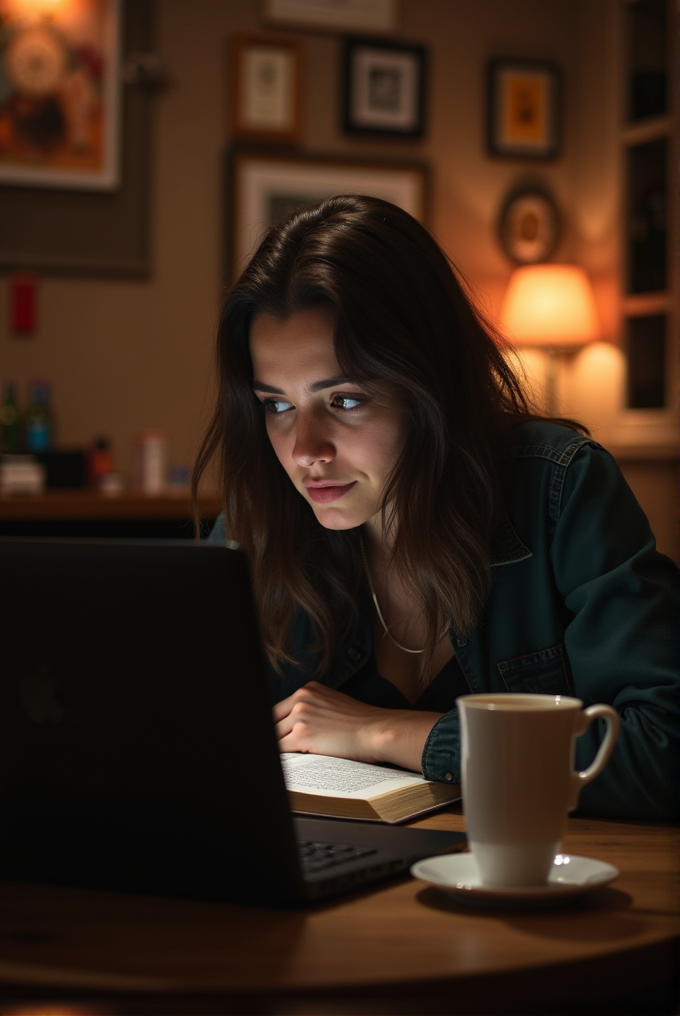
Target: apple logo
<point x="40" y="698"/>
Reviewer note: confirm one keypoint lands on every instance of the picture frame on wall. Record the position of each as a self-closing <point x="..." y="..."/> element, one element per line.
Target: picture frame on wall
<point x="266" y="88"/>
<point x="333" y="15"/>
<point x="529" y="225"/>
<point x="384" y="88"/>
<point x="524" y="99"/>
<point x="263" y="188"/>
<point x="60" y="106"/>
<point x="84" y="231"/>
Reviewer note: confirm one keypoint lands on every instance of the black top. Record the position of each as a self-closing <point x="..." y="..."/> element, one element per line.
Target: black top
<point x="438" y="697"/>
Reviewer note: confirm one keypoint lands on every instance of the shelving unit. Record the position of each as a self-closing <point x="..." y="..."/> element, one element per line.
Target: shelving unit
<point x="649" y="159"/>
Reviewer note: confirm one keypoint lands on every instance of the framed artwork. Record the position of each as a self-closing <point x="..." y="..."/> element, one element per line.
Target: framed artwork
<point x="529" y="226"/>
<point x="333" y="15"/>
<point x="266" y="88"/>
<point x="384" y="88"/>
<point x="265" y="188"/>
<point x="60" y="102"/>
<point x="84" y="231"/>
<point x="523" y="109"/>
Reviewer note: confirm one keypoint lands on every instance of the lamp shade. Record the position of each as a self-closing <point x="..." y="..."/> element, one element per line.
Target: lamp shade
<point x="550" y="305"/>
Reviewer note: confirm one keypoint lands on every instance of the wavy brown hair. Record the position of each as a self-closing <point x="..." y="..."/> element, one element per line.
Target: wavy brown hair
<point x="405" y="324"/>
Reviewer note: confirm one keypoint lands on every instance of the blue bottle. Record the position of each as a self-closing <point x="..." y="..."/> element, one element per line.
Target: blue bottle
<point x="39" y="420"/>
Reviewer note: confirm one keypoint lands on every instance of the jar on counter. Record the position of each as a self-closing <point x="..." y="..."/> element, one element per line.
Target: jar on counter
<point x="150" y="461"/>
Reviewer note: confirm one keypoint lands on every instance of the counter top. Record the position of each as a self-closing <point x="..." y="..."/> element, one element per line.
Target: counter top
<point x="89" y="504"/>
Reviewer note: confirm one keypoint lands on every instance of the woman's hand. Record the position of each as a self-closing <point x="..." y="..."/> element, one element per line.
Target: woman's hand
<point x="327" y="722"/>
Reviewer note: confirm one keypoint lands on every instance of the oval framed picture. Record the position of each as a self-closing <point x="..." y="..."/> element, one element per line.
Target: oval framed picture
<point x="529" y="226"/>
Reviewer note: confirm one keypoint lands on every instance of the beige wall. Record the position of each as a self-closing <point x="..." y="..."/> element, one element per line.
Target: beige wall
<point x="123" y="356"/>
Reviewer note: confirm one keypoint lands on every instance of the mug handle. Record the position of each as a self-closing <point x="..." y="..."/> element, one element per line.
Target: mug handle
<point x="609" y="714"/>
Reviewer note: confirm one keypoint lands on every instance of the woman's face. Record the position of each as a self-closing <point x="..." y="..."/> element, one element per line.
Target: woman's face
<point x="337" y="443"/>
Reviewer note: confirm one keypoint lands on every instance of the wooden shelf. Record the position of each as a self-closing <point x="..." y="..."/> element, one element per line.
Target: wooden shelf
<point x="88" y="505"/>
<point x="649" y="129"/>
<point x="641" y="304"/>
<point x="632" y="452"/>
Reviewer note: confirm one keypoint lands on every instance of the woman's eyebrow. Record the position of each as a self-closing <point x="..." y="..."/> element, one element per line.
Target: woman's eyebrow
<point x="315" y="386"/>
<point x="329" y="382"/>
<point x="260" y="386"/>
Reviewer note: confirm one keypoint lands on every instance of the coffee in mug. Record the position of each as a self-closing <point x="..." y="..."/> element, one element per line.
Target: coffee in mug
<point x="518" y="779"/>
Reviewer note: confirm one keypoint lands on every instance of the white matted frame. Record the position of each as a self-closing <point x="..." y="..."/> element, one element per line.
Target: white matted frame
<point x="333" y="15"/>
<point x="384" y="88"/>
<point x="266" y="93"/>
<point x="265" y="188"/>
<point x="60" y="108"/>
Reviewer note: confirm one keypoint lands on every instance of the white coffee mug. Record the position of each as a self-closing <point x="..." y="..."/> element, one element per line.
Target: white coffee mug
<point x="518" y="779"/>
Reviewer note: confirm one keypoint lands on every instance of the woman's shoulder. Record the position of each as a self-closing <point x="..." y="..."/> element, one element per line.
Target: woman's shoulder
<point x="550" y="439"/>
<point x="555" y="462"/>
<point x="560" y="470"/>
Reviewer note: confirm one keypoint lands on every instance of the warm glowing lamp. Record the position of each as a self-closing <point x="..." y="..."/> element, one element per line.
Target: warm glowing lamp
<point x="550" y="307"/>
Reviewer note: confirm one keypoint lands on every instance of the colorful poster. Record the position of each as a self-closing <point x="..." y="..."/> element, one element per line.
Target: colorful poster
<point x="59" y="93"/>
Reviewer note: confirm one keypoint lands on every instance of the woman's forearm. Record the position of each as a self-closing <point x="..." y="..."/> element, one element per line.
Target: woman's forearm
<point x="399" y="735"/>
<point x="327" y="722"/>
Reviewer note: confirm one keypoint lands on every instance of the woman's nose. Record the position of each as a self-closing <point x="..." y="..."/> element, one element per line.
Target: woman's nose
<point x="312" y="441"/>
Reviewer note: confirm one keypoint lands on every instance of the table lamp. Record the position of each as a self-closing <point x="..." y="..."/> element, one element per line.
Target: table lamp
<point x="550" y="307"/>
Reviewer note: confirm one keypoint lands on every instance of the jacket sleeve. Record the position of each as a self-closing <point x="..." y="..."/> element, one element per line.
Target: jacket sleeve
<point x="619" y="598"/>
<point x="621" y="642"/>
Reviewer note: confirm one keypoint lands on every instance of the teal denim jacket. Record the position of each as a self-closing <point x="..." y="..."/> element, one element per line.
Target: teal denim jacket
<point x="581" y="604"/>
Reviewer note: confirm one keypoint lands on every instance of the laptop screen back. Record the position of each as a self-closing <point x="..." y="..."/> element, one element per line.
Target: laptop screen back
<point x="136" y="745"/>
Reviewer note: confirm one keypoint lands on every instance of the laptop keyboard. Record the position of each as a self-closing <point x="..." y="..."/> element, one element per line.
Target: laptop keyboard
<point x="315" y="856"/>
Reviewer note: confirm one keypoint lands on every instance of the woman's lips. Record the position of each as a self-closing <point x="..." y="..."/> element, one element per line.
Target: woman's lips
<point x="330" y="492"/>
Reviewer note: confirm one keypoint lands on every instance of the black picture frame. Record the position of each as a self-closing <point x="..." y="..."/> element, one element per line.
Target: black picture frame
<point x="384" y="88"/>
<point x="524" y="101"/>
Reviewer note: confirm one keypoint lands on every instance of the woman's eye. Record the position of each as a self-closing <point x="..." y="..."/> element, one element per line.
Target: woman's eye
<point x="347" y="402"/>
<point x="276" y="406"/>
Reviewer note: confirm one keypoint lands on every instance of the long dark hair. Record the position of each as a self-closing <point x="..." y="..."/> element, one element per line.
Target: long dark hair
<point x="405" y="324"/>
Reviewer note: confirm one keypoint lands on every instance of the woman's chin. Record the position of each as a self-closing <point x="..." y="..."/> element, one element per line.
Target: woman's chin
<point x="336" y="518"/>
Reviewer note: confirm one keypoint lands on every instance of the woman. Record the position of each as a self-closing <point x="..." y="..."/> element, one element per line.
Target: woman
<point x="414" y="531"/>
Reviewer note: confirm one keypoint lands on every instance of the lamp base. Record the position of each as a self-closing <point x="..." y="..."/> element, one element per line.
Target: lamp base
<point x="551" y="367"/>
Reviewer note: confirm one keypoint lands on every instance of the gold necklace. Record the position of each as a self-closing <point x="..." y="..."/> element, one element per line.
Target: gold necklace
<point x="377" y="605"/>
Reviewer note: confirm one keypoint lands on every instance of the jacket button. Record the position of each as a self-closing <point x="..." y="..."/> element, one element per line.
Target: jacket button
<point x="354" y="654"/>
<point x="448" y="777"/>
<point x="461" y="642"/>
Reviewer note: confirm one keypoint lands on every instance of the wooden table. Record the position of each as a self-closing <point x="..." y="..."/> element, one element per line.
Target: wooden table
<point x="402" y="948"/>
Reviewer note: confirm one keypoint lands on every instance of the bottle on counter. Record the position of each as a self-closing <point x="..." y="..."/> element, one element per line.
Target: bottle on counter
<point x="39" y="423"/>
<point x="9" y="421"/>
<point x="99" y="462"/>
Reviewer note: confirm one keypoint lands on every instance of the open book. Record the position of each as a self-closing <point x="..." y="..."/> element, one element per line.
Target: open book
<point x="323" y="785"/>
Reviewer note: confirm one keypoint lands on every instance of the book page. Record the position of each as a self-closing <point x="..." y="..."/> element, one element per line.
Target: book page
<point x="339" y="777"/>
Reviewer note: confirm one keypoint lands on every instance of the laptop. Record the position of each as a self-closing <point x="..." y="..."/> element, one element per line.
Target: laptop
<point x="137" y="746"/>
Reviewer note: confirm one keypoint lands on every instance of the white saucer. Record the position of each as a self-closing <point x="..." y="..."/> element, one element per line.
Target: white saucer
<point x="570" y="876"/>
